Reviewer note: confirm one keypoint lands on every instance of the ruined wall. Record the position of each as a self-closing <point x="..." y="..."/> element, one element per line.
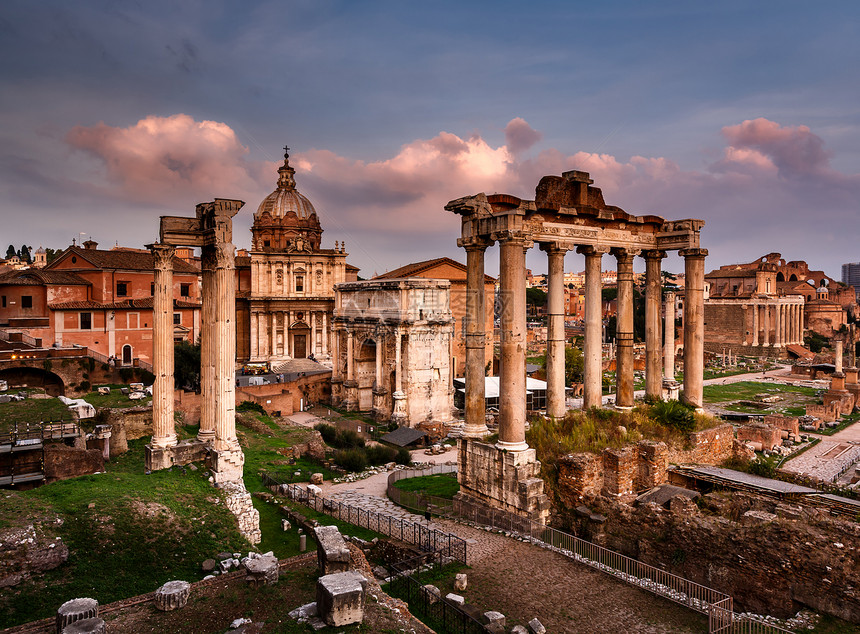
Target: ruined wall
<point x="771" y="562"/>
<point x="63" y="462"/>
<point x="710" y="446"/>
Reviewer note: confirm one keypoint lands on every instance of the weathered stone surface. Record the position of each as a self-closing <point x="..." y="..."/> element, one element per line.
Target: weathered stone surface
<point x="536" y="627"/>
<point x="332" y="554"/>
<point x="460" y="581"/>
<point x="76" y="610"/>
<point x="456" y="599"/>
<point x="340" y="598"/>
<point x="519" y="629"/>
<point x="172" y="595"/>
<point x="93" y="625"/>
<point x="239" y="502"/>
<point x="751" y="518"/>
<point x="262" y="570"/>
<point x="317" y="478"/>
<point x="432" y="592"/>
<point x="495" y="622"/>
<point x="209" y="565"/>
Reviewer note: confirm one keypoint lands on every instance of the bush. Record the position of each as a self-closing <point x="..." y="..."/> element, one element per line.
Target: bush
<point x="328" y="432"/>
<point x="351" y="459"/>
<point x="339" y="438"/>
<point x="250" y="406"/>
<point x="403" y="456"/>
<point x="675" y="415"/>
<point x="380" y="454"/>
<point x="762" y="467"/>
<point x="84" y="386"/>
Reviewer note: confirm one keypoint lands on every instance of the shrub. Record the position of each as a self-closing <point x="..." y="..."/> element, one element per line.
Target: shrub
<point x="675" y="415"/>
<point x="351" y="459"/>
<point x="763" y="468"/>
<point x="339" y="438"/>
<point x="250" y="406"/>
<point x="380" y="454"/>
<point x="328" y="432"/>
<point x="84" y="386"/>
<point x="403" y="456"/>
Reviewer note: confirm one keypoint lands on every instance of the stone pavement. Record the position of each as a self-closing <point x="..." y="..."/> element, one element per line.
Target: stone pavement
<point x="378" y="504"/>
<point x="826" y="460"/>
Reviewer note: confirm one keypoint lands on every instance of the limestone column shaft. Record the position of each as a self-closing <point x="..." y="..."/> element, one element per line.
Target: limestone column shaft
<point x="624" y="330"/>
<point x="555" y="353"/>
<point x="377" y="379"/>
<point x="592" y="393"/>
<point x="669" y="335"/>
<point x="163" y="434"/>
<point x="777" y="325"/>
<point x="745" y="311"/>
<point x="838" y="356"/>
<point x="476" y="339"/>
<point x="766" y="309"/>
<point x="325" y="333"/>
<point x="694" y="324"/>
<point x="653" y="375"/>
<point x="225" y="348"/>
<point x="398" y="360"/>
<point x="512" y="375"/>
<point x="755" y="309"/>
<point x="349" y="356"/>
<point x="207" y="347"/>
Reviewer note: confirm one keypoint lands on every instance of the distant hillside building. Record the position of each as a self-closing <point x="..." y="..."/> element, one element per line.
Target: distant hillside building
<point x="99" y="299"/>
<point x="285" y="286"/>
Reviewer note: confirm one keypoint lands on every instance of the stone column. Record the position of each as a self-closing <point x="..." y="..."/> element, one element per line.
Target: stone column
<point x="207" y="347"/>
<point x="669" y="335"/>
<point x="624" y="330"/>
<point x="777" y="325"/>
<point x="747" y="325"/>
<point x="398" y="415"/>
<point x="325" y="333"/>
<point x="377" y="379"/>
<point x="313" y="341"/>
<point x="766" y="309"/>
<point x="163" y="434"/>
<point x="838" y="356"/>
<point x="349" y="356"/>
<point x="755" y="309"/>
<point x="694" y="324"/>
<point x="555" y="353"/>
<point x="512" y="375"/>
<point x="476" y="341"/>
<point x="225" y="349"/>
<point x="592" y="393"/>
<point x="653" y="376"/>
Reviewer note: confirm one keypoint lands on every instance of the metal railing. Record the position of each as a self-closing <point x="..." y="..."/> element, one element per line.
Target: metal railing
<point x="405" y="582"/>
<point x="424" y="537"/>
<point x="30" y="434"/>
<point x="415" y="500"/>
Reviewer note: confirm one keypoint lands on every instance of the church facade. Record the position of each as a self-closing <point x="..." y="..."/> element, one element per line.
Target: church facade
<point x="285" y="298"/>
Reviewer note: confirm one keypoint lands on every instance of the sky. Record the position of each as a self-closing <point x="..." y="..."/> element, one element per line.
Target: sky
<point x="744" y="114"/>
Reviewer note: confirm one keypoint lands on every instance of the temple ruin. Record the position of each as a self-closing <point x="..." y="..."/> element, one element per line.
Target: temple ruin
<point x="568" y="213"/>
<point x="212" y="231"/>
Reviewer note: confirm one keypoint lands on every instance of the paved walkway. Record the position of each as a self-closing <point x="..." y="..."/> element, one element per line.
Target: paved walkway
<point x="826" y="460"/>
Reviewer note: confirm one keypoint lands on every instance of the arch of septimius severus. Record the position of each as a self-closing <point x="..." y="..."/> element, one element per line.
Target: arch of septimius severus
<point x="567" y="214"/>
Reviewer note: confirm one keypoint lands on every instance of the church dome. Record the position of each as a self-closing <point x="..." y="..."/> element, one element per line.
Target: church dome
<point x="286" y="220"/>
<point x="286" y="198"/>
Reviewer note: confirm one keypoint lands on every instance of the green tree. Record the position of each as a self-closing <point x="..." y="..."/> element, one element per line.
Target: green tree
<point x="24" y="254"/>
<point x="51" y="255"/>
<point x="535" y="297"/>
<point x="573" y="365"/>
<point x="10" y="252"/>
<point x="186" y="365"/>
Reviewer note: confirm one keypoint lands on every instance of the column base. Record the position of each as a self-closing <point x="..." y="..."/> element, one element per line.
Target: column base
<point x="350" y="396"/>
<point x="671" y="389"/>
<point x="380" y="411"/>
<point x="475" y="432"/>
<point x="501" y="479"/>
<point x="226" y="465"/>
<point x="206" y="436"/>
<point x="622" y="408"/>
<point x="399" y="415"/>
<point x="512" y="446"/>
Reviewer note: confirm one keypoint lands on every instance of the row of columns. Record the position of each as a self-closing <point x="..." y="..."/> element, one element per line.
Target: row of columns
<point x="265" y="327"/>
<point x="785" y="321"/>
<point x="217" y="348"/>
<point x="512" y="399"/>
<point x="264" y="276"/>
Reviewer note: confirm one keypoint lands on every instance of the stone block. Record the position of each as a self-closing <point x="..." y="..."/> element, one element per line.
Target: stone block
<point x="317" y="479"/>
<point x="94" y="625"/>
<point x="76" y="610"/>
<point x="619" y="471"/>
<point x="495" y="622"/>
<point x="262" y="570"/>
<point x="455" y="599"/>
<point x="519" y="629"/>
<point x="172" y="595"/>
<point x="754" y="518"/>
<point x="340" y="598"/>
<point x="460" y="581"/>
<point x="536" y="627"/>
<point x="333" y="553"/>
<point x="432" y="593"/>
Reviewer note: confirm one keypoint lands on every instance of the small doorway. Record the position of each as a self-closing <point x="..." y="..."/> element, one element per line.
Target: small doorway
<point x="126" y="355"/>
<point x="300" y="346"/>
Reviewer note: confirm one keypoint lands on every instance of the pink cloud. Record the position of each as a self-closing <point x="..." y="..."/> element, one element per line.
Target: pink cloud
<point x="520" y="136"/>
<point x="170" y="160"/>
<point x="794" y="150"/>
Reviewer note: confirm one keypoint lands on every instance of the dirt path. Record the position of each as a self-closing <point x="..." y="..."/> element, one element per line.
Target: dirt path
<point x="523" y="581"/>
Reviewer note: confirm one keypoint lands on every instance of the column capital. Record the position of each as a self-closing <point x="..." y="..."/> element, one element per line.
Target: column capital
<point x="588" y="249"/>
<point x="474" y="244"/>
<point x="693" y="253"/>
<point x="653" y="254"/>
<point x="551" y="248"/>
<point x="163" y="254"/>
<point x="622" y="253"/>
<point x="512" y="237"/>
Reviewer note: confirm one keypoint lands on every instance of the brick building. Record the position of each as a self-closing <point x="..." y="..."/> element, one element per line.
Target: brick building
<point x="101" y="299"/>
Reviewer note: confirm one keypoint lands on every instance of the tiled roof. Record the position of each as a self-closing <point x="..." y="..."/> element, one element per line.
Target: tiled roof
<point x="145" y="302"/>
<point x="415" y="268"/>
<point x="128" y="260"/>
<point x="41" y="277"/>
<point x="731" y="273"/>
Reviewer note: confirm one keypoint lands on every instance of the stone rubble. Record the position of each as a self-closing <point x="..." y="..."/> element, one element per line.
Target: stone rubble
<point x="239" y="502"/>
<point x="173" y="595"/>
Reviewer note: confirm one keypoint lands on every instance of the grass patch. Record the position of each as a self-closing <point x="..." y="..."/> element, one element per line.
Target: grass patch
<point x="441" y="486"/>
<point x="847" y="421"/>
<point x="114" y="400"/>
<point x="747" y="390"/>
<point x="33" y="410"/>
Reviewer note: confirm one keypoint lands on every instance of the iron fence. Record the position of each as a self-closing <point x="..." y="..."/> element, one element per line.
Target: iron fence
<point x="415" y="500"/>
<point x="407" y="580"/>
<point x="424" y="537"/>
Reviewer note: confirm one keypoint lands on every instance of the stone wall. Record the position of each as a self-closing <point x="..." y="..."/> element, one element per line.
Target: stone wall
<point x="772" y="561"/>
<point x="634" y="469"/>
<point x="63" y="462"/>
<point x="240" y="503"/>
<point x="789" y="424"/>
<point x="759" y="434"/>
<point x="128" y="424"/>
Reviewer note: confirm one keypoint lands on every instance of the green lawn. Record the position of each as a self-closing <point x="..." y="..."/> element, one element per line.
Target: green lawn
<point x="847" y="421"/>
<point x="441" y="486"/>
<point x="793" y="402"/>
<point x="115" y="399"/>
<point x="33" y="410"/>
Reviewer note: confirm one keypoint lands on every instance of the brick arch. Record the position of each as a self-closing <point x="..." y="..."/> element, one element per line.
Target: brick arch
<point x="22" y="375"/>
